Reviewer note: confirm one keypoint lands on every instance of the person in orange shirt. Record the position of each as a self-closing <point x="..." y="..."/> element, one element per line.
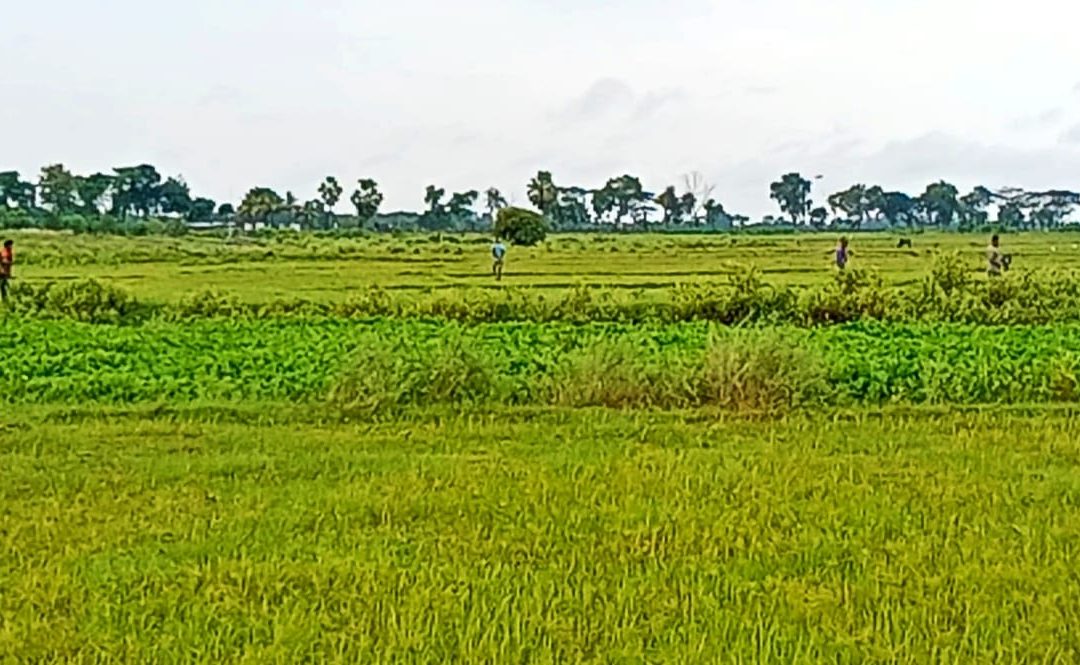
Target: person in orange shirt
<point x="7" y="258"/>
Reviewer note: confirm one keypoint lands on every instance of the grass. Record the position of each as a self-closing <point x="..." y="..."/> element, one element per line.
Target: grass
<point x="323" y="269"/>
<point x="384" y="363"/>
<point x="216" y="490"/>
<point x="270" y="534"/>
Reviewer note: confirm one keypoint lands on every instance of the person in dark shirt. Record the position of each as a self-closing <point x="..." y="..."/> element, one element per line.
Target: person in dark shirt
<point x="842" y="254"/>
<point x="7" y="259"/>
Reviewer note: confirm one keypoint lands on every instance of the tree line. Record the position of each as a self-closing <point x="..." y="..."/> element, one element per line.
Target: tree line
<point x="128" y="197"/>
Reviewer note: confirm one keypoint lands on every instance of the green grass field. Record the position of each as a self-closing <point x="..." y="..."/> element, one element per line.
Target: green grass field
<point x="586" y="536"/>
<point x="259" y="270"/>
<point x="318" y="489"/>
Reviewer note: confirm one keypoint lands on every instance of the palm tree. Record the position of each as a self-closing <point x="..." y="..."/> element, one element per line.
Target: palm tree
<point x="494" y="201"/>
<point x="542" y="192"/>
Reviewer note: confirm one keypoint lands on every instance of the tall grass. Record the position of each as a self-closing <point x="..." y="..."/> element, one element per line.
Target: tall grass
<point x="560" y="537"/>
<point x="948" y="294"/>
<point x="763" y="373"/>
<point x="384" y="377"/>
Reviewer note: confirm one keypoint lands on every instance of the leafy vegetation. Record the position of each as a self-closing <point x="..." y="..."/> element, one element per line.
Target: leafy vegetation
<point x="521" y="227"/>
<point x="947" y="294"/>
<point x="380" y="366"/>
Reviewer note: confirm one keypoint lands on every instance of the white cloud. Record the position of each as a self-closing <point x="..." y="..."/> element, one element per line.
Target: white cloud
<point x="1046" y="119"/>
<point x="486" y="92"/>
<point x="1071" y="135"/>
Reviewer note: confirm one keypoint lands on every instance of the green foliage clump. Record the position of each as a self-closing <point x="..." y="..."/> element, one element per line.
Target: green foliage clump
<point x="384" y="365"/>
<point x="760" y="373"/>
<point x="87" y="301"/>
<point x="384" y="377"/>
<point x="746" y="299"/>
<point x="520" y="226"/>
<point x="850" y="296"/>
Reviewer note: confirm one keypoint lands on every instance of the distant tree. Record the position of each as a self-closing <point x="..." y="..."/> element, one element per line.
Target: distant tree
<point x="819" y="217"/>
<point x="200" y="210"/>
<point x="366" y="199"/>
<point x="259" y="204"/>
<point x="669" y="202"/>
<point x="461" y="204"/>
<point x="716" y="217"/>
<point x="330" y="192"/>
<point x="57" y="189"/>
<point x="311" y="214"/>
<point x="603" y="203"/>
<point x="697" y="186"/>
<point x="792" y="193"/>
<point x="226" y="210"/>
<point x="1011" y="215"/>
<point x="939" y="204"/>
<point x="972" y="207"/>
<point x="874" y="202"/>
<point x="15" y="192"/>
<point x="853" y="202"/>
<point x="1052" y="208"/>
<point x="520" y="226"/>
<point x="627" y="194"/>
<point x="899" y="208"/>
<point x="433" y="197"/>
<point x="571" y="210"/>
<point x="688" y="207"/>
<point x="135" y="190"/>
<point x="436" y="217"/>
<point x="92" y="190"/>
<point x="174" y="197"/>
<point x="494" y="201"/>
<point x="542" y="192"/>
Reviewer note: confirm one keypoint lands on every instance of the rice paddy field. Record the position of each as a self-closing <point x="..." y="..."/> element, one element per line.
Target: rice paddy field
<point x="244" y="483"/>
<point x="295" y="266"/>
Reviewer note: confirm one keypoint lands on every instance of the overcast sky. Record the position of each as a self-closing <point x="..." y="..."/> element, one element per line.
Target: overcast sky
<point x="473" y="93"/>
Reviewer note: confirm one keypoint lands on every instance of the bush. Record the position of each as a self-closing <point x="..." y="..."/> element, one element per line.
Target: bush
<point x="88" y="301"/>
<point x="520" y="226"/>
<point x="383" y="377"/>
<point x="766" y="374"/>
<point x="208" y="304"/>
<point x="852" y="295"/>
<point x="746" y="299"/>
<point x="616" y="374"/>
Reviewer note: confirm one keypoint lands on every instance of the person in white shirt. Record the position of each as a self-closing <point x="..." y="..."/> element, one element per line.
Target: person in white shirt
<point x="498" y="256"/>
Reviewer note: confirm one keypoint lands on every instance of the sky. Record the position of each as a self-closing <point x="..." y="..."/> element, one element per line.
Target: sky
<point x="477" y="93"/>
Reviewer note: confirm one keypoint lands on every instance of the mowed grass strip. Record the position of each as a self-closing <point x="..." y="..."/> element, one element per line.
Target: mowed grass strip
<point x="551" y="536"/>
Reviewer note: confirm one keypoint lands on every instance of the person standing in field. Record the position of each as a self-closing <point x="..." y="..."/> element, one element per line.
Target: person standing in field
<point x="995" y="260"/>
<point x="842" y="253"/>
<point x="7" y="259"/>
<point x="498" y="257"/>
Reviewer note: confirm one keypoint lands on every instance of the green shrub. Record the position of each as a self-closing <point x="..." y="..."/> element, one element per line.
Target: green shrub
<point x="746" y="299"/>
<point x="852" y="295"/>
<point x="210" y="303"/>
<point x="616" y="374"/>
<point x="383" y="377"/>
<point x="759" y="373"/>
<point x="88" y="301"/>
<point x="520" y="226"/>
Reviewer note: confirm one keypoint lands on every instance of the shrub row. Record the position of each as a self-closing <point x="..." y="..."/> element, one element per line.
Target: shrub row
<point x="393" y="363"/>
<point x="948" y="294"/>
<point x="768" y="375"/>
